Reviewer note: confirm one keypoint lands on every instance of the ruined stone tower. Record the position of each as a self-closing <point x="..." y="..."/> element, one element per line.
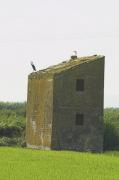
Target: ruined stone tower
<point x="65" y="106"/>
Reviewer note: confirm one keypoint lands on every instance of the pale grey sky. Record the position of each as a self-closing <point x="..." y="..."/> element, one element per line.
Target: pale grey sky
<point x="47" y="31"/>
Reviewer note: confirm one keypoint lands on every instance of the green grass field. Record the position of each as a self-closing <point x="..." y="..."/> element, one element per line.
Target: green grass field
<point x="26" y="164"/>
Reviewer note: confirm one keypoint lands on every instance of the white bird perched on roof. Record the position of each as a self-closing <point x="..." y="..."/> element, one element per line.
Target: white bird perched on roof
<point x="33" y="66"/>
<point x="74" y="56"/>
<point x="75" y="53"/>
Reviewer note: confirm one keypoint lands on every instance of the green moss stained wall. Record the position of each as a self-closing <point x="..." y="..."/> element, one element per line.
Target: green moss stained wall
<point x="67" y="102"/>
<point x="39" y="113"/>
<point x="53" y="103"/>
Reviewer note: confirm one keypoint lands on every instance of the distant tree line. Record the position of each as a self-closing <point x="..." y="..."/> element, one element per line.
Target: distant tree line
<point x="111" y="129"/>
<point x="13" y="122"/>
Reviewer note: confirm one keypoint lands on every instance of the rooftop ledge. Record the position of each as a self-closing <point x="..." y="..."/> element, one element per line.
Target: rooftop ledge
<point x="65" y="65"/>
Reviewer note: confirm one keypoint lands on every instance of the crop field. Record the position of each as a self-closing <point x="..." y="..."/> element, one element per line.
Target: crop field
<point x="27" y="164"/>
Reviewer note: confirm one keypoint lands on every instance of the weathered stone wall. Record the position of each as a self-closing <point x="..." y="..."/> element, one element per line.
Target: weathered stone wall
<point x="39" y="113"/>
<point x="67" y="102"/>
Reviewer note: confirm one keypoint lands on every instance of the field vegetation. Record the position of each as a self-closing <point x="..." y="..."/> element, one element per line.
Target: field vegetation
<point x="26" y="164"/>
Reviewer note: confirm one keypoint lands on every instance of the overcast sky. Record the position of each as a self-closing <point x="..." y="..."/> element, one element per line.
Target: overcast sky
<point x="47" y="31"/>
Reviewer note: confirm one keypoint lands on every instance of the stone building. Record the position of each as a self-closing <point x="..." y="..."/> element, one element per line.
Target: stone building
<point x="65" y="106"/>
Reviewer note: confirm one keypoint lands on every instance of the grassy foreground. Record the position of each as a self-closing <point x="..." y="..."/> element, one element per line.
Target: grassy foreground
<point x="26" y="164"/>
